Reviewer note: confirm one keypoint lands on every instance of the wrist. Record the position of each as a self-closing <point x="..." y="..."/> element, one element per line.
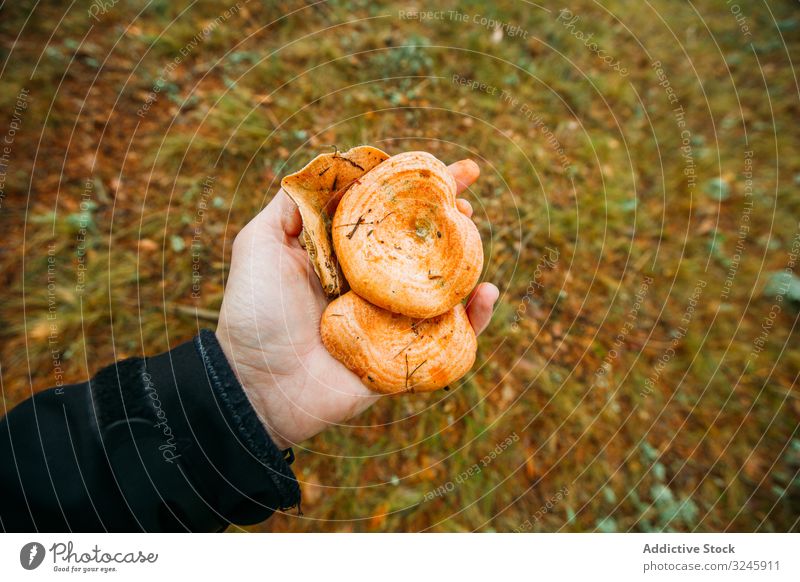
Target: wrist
<point x="249" y="379"/>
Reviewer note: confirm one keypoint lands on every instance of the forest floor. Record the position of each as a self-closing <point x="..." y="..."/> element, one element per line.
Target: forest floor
<point x="636" y="205"/>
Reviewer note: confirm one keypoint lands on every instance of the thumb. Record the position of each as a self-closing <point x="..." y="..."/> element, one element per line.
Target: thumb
<point x="284" y="215"/>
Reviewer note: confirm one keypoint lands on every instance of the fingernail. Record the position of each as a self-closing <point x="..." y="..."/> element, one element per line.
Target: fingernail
<point x="496" y="292"/>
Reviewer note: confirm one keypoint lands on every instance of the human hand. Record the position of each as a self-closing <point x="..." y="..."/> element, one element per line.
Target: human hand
<point x="269" y="325"/>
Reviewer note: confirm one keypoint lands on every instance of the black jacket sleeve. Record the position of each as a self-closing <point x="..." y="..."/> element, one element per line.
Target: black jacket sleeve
<point x="168" y="443"/>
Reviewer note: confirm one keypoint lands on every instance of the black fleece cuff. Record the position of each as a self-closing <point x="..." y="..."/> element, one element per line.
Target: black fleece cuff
<point x="186" y="446"/>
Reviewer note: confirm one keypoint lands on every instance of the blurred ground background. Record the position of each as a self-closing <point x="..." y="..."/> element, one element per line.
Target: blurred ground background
<point x="642" y="365"/>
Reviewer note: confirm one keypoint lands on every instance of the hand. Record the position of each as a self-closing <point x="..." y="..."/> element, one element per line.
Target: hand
<point x="269" y="325"/>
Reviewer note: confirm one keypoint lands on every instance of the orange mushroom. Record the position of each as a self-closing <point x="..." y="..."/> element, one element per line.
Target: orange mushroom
<point x="409" y="256"/>
<point x="317" y="189"/>
<point x="401" y="241"/>
<point x="393" y="353"/>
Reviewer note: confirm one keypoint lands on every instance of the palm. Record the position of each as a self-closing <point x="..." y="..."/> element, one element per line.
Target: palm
<point x="269" y="327"/>
<point x="272" y="307"/>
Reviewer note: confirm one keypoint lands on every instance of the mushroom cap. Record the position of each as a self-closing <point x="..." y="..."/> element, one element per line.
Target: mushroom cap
<point x="393" y="353"/>
<point x="317" y="189"/>
<point x="401" y="241"/>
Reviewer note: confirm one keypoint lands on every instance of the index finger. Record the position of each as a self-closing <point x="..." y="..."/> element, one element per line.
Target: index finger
<point x="465" y="172"/>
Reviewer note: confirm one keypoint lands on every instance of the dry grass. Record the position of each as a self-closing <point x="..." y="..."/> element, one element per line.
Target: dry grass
<point x="713" y="446"/>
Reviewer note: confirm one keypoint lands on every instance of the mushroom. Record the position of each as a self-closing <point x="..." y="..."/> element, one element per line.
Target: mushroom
<point x="402" y="243"/>
<point x="317" y="189"/>
<point x="409" y="256"/>
<point x="394" y="353"/>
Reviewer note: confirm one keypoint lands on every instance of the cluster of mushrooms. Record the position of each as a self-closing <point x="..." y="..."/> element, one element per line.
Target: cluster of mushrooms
<point x="390" y="246"/>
